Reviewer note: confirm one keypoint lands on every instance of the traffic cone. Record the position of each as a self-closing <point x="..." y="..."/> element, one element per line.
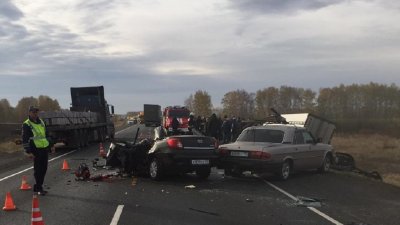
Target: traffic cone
<point x="9" y="203"/>
<point x="25" y="186"/>
<point x="102" y="153"/>
<point x="65" y="165"/>
<point x="37" y="218"/>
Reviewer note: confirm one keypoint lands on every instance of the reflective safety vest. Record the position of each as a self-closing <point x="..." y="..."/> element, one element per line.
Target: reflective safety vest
<point x="39" y="133"/>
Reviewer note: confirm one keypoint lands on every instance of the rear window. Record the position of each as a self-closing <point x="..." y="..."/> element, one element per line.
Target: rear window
<point x="261" y="135"/>
<point x="178" y="113"/>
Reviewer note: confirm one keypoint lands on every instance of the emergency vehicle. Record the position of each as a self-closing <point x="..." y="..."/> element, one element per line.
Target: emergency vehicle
<point x="181" y="113"/>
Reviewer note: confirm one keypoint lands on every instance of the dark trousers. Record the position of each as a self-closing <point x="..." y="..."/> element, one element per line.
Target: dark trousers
<point x="40" y="167"/>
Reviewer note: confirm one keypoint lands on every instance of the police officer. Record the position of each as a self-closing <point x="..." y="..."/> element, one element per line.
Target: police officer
<point x="37" y="145"/>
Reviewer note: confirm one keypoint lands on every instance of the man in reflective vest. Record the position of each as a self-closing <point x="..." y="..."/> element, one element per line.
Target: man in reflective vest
<point x="37" y="145"/>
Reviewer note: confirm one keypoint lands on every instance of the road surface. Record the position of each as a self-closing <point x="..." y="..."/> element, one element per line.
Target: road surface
<point x="343" y="198"/>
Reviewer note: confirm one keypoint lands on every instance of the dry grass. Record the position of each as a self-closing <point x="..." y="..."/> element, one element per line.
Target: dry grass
<point x="9" y="146"/>
<point x="373" y="153"/>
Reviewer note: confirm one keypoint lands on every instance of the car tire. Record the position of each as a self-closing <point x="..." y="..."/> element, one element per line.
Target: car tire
<point x="155" y="169"/>
<point x="326" y="165"/>
<point x="284" y="172"/>
<point x="203" y="173"/>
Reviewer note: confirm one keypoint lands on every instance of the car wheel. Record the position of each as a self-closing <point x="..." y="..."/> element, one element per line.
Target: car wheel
<point x="155" y="169"/>
<point x="326" y="165"/>
<point x="203" y="173"/>
<point x="284" y="172"/>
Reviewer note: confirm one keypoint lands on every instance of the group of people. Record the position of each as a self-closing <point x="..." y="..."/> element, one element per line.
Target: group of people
<point x="225" y="130"/>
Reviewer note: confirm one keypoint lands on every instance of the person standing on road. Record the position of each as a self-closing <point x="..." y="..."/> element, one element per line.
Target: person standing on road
<point x="226" y="129"/>
<point x="192" y="123"/>
<point x="36" y="144"/>
<point x="175" y="125"/>
<point x="213" y="126"/>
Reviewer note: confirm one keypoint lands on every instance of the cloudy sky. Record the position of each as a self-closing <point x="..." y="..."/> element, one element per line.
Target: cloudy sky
<point x="161" y="51"/>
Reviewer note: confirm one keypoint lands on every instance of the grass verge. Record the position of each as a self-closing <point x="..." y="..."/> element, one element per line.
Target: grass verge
<point x="373" y="152"/>
<point x="8" y="146"/>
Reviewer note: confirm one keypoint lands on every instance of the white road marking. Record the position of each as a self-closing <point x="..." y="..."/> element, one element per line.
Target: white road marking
<point x="330" y="219"/>
<point x="15" y="174"/>
<point x="122" y="130"/>
<point x="117" y="215"/>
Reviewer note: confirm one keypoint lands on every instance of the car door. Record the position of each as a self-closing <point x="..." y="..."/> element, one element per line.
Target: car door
<point x="314" y="153"/>
<point x="300" y="152"/>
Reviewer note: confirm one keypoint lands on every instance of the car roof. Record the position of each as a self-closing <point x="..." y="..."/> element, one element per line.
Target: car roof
<point x="278" y="127"/>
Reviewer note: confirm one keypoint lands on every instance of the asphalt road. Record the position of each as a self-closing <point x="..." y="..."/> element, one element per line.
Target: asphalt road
<point x="344" y="199"/>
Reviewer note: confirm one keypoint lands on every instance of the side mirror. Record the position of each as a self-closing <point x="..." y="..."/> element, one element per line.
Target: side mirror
<point x="112" y="109"/>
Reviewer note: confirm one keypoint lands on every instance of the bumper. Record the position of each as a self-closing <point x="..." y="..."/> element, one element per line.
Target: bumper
<point x="177" y="163"/>
<point x="254" y="165"/>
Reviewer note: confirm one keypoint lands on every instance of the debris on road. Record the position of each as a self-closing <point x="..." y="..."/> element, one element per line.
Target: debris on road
<point x="308" y="202"/>
<point x="346" y="162"/>
<point x="249" y="200"/>
<point x="190" y="187"/>
<point x="134" y="181"/>
<point x="201" y="211"/>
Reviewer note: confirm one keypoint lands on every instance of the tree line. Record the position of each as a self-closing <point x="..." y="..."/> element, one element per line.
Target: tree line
<point x="369" y="107"/>
<point x="17" y="114"/>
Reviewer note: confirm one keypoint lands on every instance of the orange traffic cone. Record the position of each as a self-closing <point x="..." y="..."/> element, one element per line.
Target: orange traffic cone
<point x="65" y="165"/>
<point x="25" y="186"/>
<point x="9" y="203"/>
<point x="37" y="218"/>
<point x="102" y="153"/>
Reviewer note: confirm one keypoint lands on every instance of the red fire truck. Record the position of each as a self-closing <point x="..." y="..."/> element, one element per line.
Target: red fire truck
<point x="181" y="113"/>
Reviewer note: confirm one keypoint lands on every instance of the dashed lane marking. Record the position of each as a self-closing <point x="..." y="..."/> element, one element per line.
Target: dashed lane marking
<point x="122" y="130"/>
<point x="316" y="211"/>
<point x="15" y="174"/>
<point x="117" y="215"/>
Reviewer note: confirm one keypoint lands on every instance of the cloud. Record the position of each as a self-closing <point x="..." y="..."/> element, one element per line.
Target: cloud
<point x="9" y="10"/>
<point x="280" y="6"/>
<point x="161" y="52"/>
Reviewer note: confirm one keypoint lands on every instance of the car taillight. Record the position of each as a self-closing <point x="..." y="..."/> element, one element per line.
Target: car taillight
<point x="260" y="155"/>
<point x="174" y="143"/>
<point x="223" y="151"/>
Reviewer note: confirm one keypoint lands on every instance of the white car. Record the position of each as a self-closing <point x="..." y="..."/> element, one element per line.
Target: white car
<point x="278" y="148"/>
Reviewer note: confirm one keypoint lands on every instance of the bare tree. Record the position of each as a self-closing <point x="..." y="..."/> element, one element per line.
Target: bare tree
<point x="22" y="107"/>
<point x="6" y="111"/>
<point x="202" y="103"/>
<point x="239" y="103"/>
<point x="189" y="102"/>
<point x="48" y="104"/>
<point x="266" y="99"/>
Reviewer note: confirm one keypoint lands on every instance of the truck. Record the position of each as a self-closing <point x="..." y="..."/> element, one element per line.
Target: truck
<point x="152" y="115"/>
<point x="181" y="113"/>
<point x="89" y="118"/>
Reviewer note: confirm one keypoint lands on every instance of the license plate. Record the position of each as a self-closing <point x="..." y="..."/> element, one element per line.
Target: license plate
<point x="239" y="154"/>
<point x="200" y="162"/>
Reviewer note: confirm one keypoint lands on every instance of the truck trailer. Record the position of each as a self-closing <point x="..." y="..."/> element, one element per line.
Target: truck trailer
<point x="87" y="120"/>
<point x="152" y="115"/>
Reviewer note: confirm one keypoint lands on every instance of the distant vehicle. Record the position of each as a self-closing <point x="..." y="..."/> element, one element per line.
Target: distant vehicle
<point x="89" y="118"/>
<point x="182" y="154"/>
<point x="278" y="148"/>
<point x="152" y="115"/>
<point x="131" y="122"/>
<point x="181" y="113"/>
